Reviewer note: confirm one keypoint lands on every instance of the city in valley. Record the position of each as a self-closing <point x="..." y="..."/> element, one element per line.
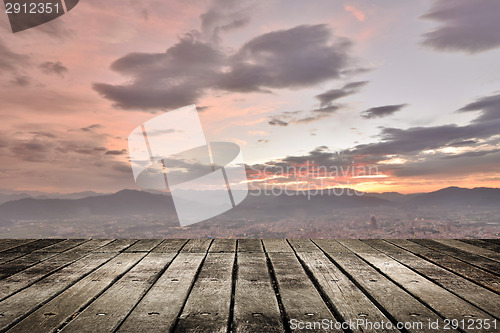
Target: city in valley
<point x="359" y="223"/>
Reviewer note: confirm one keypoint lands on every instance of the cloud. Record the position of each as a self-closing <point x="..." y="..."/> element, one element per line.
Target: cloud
<point x="382" y="111"/>
<point x="277" y="122"/>
<point x="416" y="140"/>
<point x="298" y="57"/>
<point x="116" y="152"/>
<point x="91" y="128"/>
<point x="31" y="150"/>
<point x="44" y="134"/>
<point x="489" y="107"/>
<point x="358" y="14"/>
<point x="451" y="150"/>
<point x="468" y="26"/>
<point x="167" y="80"/>
<point x="50" y="67"/>
<point x="331" y="95"/>
<point x="326" y="109"/>
<point x="21" y="81"/>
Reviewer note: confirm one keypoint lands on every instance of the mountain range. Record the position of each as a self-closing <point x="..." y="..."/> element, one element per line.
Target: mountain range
<point x="133" y="202"/>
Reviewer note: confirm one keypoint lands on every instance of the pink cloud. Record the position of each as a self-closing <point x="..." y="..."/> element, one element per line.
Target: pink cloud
<point x="358" y="14"/>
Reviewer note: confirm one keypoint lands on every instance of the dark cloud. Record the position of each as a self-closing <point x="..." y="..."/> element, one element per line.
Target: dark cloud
<point x="490" y="107"/>
<point x="329" y="96"/>
<point x="32" y="150"/>
<point x="277" y="122"/>
<point x="91" y="128"/>
<point x="44" y="134"/>
<point x="116" y="152"/>
<point x="326" y="109"/>
<point x="202" y="108"/>
<point x="297" y="57"/>
<point x="21" y="81"/>
<point x="165" y="80"/>
<point x="465" y="143"/>
<point x="50" y="67"/>
<point x="382" y="111"/>
<point x="470" y="26"/>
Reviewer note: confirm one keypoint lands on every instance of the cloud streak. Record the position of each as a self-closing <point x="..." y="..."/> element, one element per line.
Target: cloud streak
<point x="382" y="111"/>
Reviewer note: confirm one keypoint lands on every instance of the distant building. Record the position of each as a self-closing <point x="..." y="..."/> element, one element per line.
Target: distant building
<point x="373" y="223"/>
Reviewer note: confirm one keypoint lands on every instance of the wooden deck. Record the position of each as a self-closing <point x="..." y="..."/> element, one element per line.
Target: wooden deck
<point x="249" y="285"/>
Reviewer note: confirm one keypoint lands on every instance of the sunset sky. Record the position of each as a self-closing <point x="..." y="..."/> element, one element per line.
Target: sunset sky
<point x="410" y="87"/>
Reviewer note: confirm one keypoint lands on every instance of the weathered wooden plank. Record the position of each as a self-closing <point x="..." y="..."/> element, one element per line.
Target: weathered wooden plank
<point x="223" y="245"/>
<point x="197" y="246"/>
<point x="255" y="305"/>
<point x="397" y="302"/>
<point x="62" y="246"/>
<point x="27" y="300"/>
<point x="117" y="245"/>
<point x="482" y="243"/>
<point x="477" y="275"/>
<point x="53" y="314"/>
<point x="473" y="259"/>
<point x="208" y="305"/>
<point x="111" y="308"/>
<point x="22" y="250"/>
<point x="159" y="308"/>
<point x="301" y="301"/>
<point x="36" y="272"/>
<point x="441" y="300"/>
<point x="350" y="302"/>
<point x="250" y="245"/>
<point x="276" y="245"/>
<point x="170" y="245"/>
<point x="494" y="241"/>
<point x="91" y="246"/>
<point x="473" y="293"/>
<point x="470" y="248"/>
<point x="33" y="246"/>
<point x="21" y="263"/>
<point x="6" y="244"/>
<point x="303" y="245"/>
<point x="144" y="245"/>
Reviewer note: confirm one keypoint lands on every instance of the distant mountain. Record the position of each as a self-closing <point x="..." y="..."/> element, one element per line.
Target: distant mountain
<point x="9" y="195"/>
<point x="132" y="202"/>
<point x="122" y="203"/>
<point x="463" y="197"/>
<point x="393" y="196"/>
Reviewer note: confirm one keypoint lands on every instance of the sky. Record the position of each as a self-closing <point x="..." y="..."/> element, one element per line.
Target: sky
<point x="379" y="96"/>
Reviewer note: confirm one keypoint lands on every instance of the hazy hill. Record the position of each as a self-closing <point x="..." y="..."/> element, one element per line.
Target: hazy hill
<point x="456" y="196"/>
<point x="132" y="202"/>
<point x="125" y="202"/>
